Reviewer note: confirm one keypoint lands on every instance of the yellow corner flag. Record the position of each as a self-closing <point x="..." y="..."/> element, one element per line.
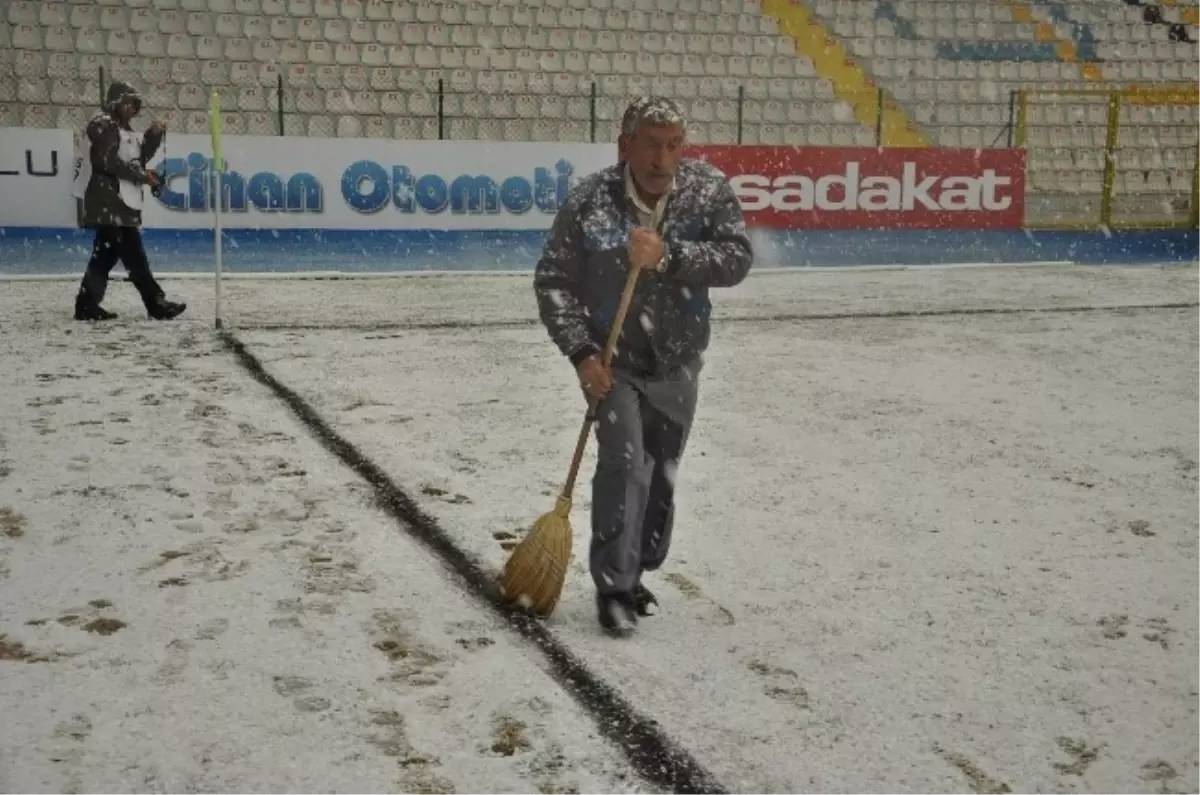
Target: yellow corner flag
<point x="214" y="124"/>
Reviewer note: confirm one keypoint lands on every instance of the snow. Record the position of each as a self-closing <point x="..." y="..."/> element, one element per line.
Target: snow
<point x="279" y="633"/>
<point x="909" y="552"/>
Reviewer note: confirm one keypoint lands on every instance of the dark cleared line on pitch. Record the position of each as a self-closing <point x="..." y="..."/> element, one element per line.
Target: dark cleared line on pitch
<point x="650" y="752"/>
<point x="798" y="317"/>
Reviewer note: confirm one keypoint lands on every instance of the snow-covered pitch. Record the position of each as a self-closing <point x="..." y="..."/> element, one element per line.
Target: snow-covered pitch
<point x="927" y="540"/>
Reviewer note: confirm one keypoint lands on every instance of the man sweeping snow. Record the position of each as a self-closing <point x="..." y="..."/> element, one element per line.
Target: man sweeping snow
<point x="679" y="222"/>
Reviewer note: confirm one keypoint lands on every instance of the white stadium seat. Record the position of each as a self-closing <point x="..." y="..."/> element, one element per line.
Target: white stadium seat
<point x="292" y="51"/>
<point x="377" y="127"/>
<point x="192" y="97"/>
<point x="37" y="116"/>
<point x="238" y="50"/>
<point x="516" y="70"/>
<point x="320" y="53"/>
<point x="23" y="12"/>
<point x="327" y="77"/>
<point x="160" y="94"/>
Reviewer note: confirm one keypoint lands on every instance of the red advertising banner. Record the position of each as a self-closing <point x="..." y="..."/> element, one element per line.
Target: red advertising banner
<point x="848" y="188"/>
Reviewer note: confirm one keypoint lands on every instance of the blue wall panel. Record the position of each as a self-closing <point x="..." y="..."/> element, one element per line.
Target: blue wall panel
<point x="65" y="251"/>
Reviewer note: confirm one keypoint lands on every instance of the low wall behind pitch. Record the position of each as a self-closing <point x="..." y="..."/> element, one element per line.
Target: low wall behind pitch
<point x="302" y="204"/>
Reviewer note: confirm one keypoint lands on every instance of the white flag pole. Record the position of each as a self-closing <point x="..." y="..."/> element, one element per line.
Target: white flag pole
<point x="218" y="167"/>
<point x="217" y="244"/>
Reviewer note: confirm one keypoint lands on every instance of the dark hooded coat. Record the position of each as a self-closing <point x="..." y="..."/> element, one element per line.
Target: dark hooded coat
<point x="102" y="205"/>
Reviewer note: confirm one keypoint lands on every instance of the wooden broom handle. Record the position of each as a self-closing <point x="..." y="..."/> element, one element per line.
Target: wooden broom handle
<point x="614" y="334"/>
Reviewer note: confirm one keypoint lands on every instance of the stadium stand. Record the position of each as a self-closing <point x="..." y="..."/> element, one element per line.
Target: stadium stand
<point x="817" y="72"/>
<point x="957" y="67"/>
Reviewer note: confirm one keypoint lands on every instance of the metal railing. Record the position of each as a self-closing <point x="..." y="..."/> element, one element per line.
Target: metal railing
<point x="729" y="108"/>
<point x="1081" y="202"/>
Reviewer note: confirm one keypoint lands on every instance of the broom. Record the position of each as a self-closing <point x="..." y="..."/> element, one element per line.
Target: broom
<point x="534" y="574"/>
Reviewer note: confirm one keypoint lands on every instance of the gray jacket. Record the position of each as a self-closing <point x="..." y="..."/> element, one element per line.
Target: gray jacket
<point x="102" y="205"/>
<point x="579" y="279"/>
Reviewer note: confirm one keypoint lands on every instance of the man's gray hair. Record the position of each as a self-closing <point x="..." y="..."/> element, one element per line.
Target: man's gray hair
<point x="653" y="111"/>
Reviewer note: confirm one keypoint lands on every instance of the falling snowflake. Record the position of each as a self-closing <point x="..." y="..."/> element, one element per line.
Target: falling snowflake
<point x="670" y="468"/>
<point x="843" y="113"/>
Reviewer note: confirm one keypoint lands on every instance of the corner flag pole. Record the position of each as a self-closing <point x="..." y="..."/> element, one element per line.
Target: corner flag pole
<point x="218" y="167"/>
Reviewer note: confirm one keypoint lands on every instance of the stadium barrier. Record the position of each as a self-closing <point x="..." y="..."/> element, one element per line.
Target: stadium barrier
<point x="387" y="205"/>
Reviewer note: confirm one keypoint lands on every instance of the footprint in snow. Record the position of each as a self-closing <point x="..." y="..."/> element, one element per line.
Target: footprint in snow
<point x="781" y="684"/>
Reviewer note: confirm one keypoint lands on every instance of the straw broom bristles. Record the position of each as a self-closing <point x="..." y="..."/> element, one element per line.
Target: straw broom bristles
<point x="534" y="574"/>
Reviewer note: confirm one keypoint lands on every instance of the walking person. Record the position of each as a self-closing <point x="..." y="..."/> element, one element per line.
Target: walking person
<point x="114" y="171"/>
<point x="679" y="222"/>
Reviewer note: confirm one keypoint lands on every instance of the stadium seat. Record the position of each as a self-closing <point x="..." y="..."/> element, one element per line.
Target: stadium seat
<point x="405" y="129"/>
<point x="171" y="23"/>
<point x="37" y="116"/>
<point x="60" y="64"/>
<point x="208" y="48"/>
<point x="67" y="91"/>
<point x="59" y="39"/>
<point x="527" y="69"/>
<point x="377" y="127"/>
<point x="27" y="37"/>
<point x="150" y="45"/>
<point x="48" y="15"/>
<point x="33" y="90"/>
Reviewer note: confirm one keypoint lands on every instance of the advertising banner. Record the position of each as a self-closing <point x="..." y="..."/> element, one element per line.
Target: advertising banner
<point x="349" y="184"/>
<point x="36" y="171"/>
<point x="851" y="188"/>
<point x="306" y="183"/>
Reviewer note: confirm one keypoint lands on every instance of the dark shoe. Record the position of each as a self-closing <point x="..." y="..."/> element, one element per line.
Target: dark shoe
<point x="162" y="309"/>
<point x="644" y="601"/>
<point x="85" y="310"/>
<point x="618" y="615"/>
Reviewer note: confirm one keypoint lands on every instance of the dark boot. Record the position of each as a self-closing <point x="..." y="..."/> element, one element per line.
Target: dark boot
<point x="644" y="601"/>
<point x="87" y="309"/>
<point x="159" y="308"/>
<point x="133" y="254"/>
<point x="617" y="614"/>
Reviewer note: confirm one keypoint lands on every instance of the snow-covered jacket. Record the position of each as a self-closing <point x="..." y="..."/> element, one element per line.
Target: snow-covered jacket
<point x="579" y="279"/>
<point x="112" y="154"/>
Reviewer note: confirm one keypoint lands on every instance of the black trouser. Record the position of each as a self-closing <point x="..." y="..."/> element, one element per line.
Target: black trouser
<point x="122" y="243"/>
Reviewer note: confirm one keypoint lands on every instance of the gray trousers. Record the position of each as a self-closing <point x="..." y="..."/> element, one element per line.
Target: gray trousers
<point x="642" y="427"/>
